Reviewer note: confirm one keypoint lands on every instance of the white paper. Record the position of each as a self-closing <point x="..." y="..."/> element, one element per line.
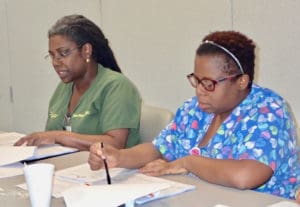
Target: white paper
<point x="11" y="154"/>
<point x="174" y="189"/>
<point x="11" y="170"/>
<point x="109" y="195"/>
<point x="8" y="139"/>
<point x="59" y="186"/>
<point x="82" y="176"/>
<point x="51" y="150"/>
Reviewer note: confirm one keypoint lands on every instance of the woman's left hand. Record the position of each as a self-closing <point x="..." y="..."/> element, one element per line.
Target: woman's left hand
<point x="162" y="167"/>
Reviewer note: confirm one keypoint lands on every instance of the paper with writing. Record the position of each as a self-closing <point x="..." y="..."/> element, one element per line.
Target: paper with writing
<point x="82" y="176"/>
<point x="109" y="195"/>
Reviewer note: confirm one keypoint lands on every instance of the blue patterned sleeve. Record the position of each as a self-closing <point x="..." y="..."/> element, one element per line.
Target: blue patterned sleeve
<point x="267" y="134"/>
<point x="167" y="142"/>
<point x="272" y="139"/>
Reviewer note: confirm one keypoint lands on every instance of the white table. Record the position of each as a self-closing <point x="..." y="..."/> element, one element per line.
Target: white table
<point x="206" y="194"/>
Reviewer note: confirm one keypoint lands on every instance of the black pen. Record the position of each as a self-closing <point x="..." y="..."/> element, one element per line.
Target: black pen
<point x="106" y="169"/>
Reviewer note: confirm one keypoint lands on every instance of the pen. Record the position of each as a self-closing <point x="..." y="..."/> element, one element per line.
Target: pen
<point x="106" y="169"/>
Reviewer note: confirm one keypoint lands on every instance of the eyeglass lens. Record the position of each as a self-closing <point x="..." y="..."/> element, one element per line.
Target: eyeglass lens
<point x="206" y="83"/>
<point x="62" y="53"/>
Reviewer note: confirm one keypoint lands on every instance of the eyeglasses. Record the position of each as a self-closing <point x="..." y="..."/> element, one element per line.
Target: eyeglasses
<point x="207" y="83"/>
<point x="61" y="53"/>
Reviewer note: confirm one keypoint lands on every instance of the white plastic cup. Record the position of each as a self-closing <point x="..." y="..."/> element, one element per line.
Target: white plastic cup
<point x="129" y="204"/>
<point x="39" y="180"/>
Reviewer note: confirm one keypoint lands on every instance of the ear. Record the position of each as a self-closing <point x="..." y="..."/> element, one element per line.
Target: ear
<point x="243" y="81"/>
<point x="87" y="50"/>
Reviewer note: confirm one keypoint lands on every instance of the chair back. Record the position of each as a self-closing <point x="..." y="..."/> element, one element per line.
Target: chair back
<point x="153" y="120"/>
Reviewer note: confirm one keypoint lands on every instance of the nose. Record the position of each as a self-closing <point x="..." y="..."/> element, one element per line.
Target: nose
<point x="201" y="91"/>
<point x="56" y="61"/>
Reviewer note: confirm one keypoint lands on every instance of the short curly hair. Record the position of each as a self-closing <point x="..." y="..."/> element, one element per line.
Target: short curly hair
<point x="238" y="44"/>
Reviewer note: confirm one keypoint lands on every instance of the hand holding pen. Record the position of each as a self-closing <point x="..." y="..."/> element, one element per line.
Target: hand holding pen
<point x="99" y="153"/>
<point x="106" y="168"/>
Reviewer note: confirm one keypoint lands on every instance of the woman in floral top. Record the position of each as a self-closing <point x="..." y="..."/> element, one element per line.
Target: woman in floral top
<point x="232" y="133"/>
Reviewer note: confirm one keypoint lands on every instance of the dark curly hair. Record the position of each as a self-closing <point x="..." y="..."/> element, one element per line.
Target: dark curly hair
<point x="81" y="30"/>
<point x="238" y="44"/>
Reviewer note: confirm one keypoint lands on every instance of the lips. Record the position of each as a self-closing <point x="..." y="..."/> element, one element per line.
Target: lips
<point x="203" y="105"/>
<point x="62" y="73"/>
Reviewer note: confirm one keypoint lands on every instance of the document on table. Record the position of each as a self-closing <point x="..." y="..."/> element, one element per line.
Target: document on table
<point x="11" y="170"/>
<point x="114" y="195"/>
<point x="9" y="138"/>
<point x="10" y="157"/>
<point x="11" y="154"/>
<point x="82" y="179"/>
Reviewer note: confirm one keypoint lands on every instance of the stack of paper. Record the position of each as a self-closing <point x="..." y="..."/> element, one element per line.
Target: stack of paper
<point x="81" y="176"/>
<point x="12" y="155"/>
<point x="8" y="140"/>
<point x="109" y="195"/>
<point x="79" y="184"/>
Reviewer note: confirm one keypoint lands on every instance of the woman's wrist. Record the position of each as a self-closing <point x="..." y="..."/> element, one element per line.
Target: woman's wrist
<point x="58" y="137"/>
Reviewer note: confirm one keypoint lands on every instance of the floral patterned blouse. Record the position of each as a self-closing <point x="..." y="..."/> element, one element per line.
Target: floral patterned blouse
<point x="259" y="128"/>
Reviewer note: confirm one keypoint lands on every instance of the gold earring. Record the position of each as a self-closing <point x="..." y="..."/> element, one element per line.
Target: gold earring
<point x="88" y="60"/>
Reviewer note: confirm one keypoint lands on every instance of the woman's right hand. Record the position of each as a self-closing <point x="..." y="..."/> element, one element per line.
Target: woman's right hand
<point x="38" y="139"/>
<point x="98" y="154"/>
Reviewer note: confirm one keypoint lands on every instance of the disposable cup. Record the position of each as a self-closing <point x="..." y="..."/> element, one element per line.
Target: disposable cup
<point x="39" y="180"/>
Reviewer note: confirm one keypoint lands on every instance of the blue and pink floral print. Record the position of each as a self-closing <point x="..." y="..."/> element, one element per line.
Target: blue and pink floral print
<point x="260" y="128"/>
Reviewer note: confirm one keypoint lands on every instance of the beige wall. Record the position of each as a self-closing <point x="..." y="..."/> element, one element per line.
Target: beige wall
<point x="154" y="42"/>
<point x="5" y="105"/>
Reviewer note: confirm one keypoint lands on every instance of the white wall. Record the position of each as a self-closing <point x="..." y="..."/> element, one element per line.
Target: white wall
<point x="25" y="45"/>
<point x="154" y="42"/>
<point x="274" y="25"/>
<point x="5" y="105"/>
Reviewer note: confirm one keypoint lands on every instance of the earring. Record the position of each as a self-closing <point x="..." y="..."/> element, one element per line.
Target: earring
<point x="88" y="60"/>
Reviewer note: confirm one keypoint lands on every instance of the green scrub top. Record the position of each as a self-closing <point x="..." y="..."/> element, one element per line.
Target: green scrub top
<point x="111" y="102"/>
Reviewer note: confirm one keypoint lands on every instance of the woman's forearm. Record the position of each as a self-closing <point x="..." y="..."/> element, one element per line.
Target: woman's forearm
<point x="138" y="156"/>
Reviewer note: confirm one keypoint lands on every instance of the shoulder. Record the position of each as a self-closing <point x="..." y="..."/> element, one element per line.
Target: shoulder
<point x="266" y="96"/>
<point x="114" y="84"/>
<point x="267" y="101"/>
<point x="109" y="77"/>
